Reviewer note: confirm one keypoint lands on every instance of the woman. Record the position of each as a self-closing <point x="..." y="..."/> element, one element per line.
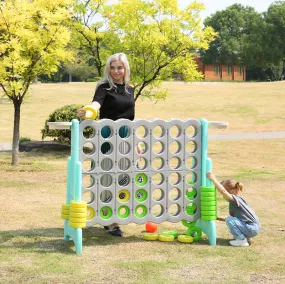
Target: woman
<point x="114" y="97"/>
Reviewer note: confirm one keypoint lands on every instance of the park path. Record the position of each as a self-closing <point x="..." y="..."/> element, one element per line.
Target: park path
<point x="7" y="146"/>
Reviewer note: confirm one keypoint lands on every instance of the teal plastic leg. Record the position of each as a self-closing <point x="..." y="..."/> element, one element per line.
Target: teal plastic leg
<point x="209" y="228"/>
<point x="75" y="234"/>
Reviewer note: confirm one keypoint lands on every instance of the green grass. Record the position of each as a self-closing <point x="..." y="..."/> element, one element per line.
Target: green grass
<point x="32" y="248"/>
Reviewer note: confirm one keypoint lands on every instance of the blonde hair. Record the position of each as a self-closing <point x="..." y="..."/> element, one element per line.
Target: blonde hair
<point x="230" y="184"/>
<point x="108" y="78"/>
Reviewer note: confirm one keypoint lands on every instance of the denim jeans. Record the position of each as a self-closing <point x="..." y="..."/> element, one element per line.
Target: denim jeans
<point x="241" y="230"/>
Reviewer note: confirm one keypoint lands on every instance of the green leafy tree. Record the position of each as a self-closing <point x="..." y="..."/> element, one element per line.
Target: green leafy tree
<point x="160" y="40"/>
<point x="91" y="34"/>
<point x="33" y="38"/>
<point x="237" y="41"/>
<point x="275" y="34"/>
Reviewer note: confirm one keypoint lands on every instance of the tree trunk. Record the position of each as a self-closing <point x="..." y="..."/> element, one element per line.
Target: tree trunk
<point x="16" y="133"/>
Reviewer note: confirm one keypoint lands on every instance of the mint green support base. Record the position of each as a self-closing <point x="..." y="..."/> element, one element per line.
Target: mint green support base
<point x="75" y="234"/>
<point x="209" y="228"/>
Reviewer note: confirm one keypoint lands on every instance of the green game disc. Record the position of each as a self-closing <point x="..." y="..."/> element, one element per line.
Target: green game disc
<point x="123" y="212"/>
<point x="141" y="195"/>
<point x="141" y="179"/>
<point x="106" y="212"/>
<point x="143" y="210"/>
<point x="170" y="233"/>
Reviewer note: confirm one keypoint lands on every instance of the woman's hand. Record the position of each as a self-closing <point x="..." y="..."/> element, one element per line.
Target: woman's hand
<point x="81" y="112"/>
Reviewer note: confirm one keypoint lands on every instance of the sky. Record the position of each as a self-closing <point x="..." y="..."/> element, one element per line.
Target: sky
<point x="212" y="6"/>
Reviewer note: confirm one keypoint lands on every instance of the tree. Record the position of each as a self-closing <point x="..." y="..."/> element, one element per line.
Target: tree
<point x="91" y="33"/>
<point x="275" y="35"/>
<point x="159" y="39"/>
<point x="33" y="38"/>
<point x="236" y="27"/>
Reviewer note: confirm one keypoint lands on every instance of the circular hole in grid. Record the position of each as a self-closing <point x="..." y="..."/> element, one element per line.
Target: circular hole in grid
<point x="123" y="212"/>
<point x="158" y="147"/>
<point x="157" y="210"/>
<point x="157" y="194"/>
<point x="88" y="148"/>
<point x="190" y="131"/>
<point x="124" y="148"/>
<point x="88" y="165"/>
<point x="124" y="131"/>
<point x="106" y="164"/>
<point x="191" y="193"/>
<point x="191" y="209"/>
<point x="124" y="196"/>
<point x="174" y="209"/>
<point x="106" y="196"/>
<point x="88" y="181"/>
<point x="90" y="213"/>
<point x="174" y="147"/>
<point x="88" y="196"/>
<point x="174" y="178"/>
<point x="190" y="162"/>
<point x="141" y="131"/>
<point x="141" y="163"/>
<point x="124" y="180"/>
<point x="106" y="180"/>
<point x="106" y="148"/>
<point x="158" y="131"/>
<point x="174" y="194"/>
<point x="140" y="211"/>
<point x="141" y="147"/>
<point x="190" y="147"/>
<point x="106" y="132"/>
<point x="124" y="164"/>
<point x="89" y="132"/>
<point x="158" y="163"/>
<point x="174" y="163"/>
<point x="157" y="179"/>
<point x="175" y="131"/>
<point x="190" y="178"/>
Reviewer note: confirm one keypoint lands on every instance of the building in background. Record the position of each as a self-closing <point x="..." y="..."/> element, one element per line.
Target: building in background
<point x="216" y="72"/>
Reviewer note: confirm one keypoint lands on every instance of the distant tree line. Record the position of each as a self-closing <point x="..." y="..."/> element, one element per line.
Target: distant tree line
<point x="246" y="37"/>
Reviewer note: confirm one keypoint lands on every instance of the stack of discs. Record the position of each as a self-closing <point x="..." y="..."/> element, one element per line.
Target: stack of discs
<point x="208" y="203"/>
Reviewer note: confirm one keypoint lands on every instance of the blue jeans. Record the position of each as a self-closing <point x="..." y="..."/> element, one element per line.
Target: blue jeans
<point x="241" y="230"/>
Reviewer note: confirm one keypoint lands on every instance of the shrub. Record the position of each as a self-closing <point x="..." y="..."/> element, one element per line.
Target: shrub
<point x="24" y="139"/>
<point x="65" y="113"/>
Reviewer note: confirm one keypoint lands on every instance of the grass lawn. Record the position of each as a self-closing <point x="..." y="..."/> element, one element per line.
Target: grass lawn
<point x="32" y="249"/>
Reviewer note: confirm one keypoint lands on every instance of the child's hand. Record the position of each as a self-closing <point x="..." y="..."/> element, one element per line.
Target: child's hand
<point x="210" y="176"/>
<point x="139" y="149"/>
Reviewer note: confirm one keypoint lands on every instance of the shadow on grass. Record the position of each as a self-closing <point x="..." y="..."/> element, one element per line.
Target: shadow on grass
<point x="51" y="240"/>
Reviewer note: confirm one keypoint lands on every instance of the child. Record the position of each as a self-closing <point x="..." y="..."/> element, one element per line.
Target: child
<point x="242" y="222"/>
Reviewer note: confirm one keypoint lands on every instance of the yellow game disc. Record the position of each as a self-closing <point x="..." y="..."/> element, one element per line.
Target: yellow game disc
<point x="168" y="238"/>
<point x="123" y="195"/>
<point x="185" y="239"/>
<point x="64" y="216"/>
<point x="77" y="220"/>
<point x="77" y="225"/>
<point x="150" y="237"/>
<point x="65" y="206"/>
<point x="78" y="215"/>
<point x="78" y="210"/>
<point x="80" y="204"/>
<point x="91" y="112"/>
<point x="90" y="213"/>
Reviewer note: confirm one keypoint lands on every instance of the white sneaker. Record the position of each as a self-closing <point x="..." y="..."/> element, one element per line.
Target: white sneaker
<point x="239" y="243"/>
